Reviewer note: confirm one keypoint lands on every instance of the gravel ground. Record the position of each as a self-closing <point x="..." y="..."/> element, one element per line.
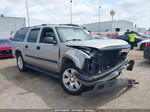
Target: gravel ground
<point x="34" y="90"/>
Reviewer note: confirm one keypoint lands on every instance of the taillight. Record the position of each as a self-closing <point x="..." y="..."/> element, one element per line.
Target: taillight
<point x="147" y="45"/>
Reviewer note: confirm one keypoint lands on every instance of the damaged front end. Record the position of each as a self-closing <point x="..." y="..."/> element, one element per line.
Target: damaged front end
<point x="104" y="64"/>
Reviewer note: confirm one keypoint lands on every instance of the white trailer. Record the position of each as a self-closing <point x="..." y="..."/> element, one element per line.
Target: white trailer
<point x="9" y="25"/>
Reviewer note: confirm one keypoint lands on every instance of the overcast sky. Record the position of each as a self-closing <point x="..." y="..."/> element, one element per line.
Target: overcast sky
<point x="84" y="11"/>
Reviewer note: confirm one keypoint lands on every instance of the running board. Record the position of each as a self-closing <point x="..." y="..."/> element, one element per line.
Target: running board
<point x="43" y="70"/>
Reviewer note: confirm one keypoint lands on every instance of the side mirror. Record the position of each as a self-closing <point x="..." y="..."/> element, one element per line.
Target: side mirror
<point x="49" y="40"/>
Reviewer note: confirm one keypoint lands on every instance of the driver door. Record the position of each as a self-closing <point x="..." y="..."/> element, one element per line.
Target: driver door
<point x="47" y="52"/>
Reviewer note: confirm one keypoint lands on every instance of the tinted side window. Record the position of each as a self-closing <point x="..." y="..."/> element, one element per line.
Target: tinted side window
<point x="33" y="35"/>
<point x="20" y="34"/>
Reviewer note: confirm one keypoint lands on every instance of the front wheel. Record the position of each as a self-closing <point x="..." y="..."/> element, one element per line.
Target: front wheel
<point x="68" y="80"/>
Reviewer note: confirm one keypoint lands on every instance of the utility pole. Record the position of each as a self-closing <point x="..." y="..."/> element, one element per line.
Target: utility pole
<point x="28" y="18"/>
<point x="71" y="12"/>
<point x="99" y="18"/>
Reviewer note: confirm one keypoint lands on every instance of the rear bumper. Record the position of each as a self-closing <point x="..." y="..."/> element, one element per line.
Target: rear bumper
<point x="110" y="74"/>
<point x="147" y="53"/>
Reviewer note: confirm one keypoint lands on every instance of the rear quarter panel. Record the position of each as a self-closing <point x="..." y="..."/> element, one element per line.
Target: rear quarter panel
<point x="18" y="46"/>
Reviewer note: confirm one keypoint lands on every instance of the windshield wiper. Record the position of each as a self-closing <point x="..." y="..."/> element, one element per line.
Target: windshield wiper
<point x="74" y="40"/>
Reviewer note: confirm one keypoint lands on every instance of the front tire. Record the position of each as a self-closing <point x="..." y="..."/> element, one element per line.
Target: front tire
<point x="20" y="63"/>
<point x="68" y="80"/>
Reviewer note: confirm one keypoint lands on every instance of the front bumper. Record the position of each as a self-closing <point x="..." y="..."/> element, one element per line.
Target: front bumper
<point x="110" y="74"/>
<point x="5" y="56"/>
<point x="138" y="45"/>
<point x="111" y="85"/>
<point x="6" y="53"/>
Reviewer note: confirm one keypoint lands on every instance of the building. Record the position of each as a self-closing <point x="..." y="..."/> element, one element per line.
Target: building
<point x="108" y="26"/>
<point x="9" y="25"/>
<point x="140" y="30"/>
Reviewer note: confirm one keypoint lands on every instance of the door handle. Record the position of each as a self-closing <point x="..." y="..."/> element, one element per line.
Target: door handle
<point x="26" y="46"/>
<point x="38" y="47"/>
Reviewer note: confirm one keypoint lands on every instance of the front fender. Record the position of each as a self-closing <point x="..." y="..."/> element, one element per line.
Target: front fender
<point x="77" y="56"/>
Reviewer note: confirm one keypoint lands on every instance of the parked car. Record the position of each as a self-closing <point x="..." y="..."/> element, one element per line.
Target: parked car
<point x="70" y="54"/>
<point x="101" y="37"/>
<point x="147" y="51"/>
<point x="127" y="39"/>
<point x="141" y="44"/>
<point x="146" y="36"/>
<point x="111" y="35"/>
<point x="5" y="48"/>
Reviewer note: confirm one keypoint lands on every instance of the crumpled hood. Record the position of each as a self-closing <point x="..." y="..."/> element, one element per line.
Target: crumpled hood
<point x="100" y="44"/>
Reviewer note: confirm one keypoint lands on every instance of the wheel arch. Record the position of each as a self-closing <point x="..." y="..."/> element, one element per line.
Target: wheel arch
<point x="67" y="60"/>
<point x="76" y="56"/>
<point x="73" y="60"/>
<point x="142" y="46"/>
<point x="17" y="52"/>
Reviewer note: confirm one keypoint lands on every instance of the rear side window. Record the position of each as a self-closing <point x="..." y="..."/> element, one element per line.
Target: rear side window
<point x="20" y="34"/>
<point x="33" y="35"/>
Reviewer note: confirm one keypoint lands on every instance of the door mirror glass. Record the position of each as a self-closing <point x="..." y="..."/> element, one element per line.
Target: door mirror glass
<point x="49" y="40"/>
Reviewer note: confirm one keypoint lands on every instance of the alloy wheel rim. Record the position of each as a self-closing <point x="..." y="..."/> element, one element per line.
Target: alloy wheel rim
<point x="70" y="81"/>
<point x="20" y="62"/>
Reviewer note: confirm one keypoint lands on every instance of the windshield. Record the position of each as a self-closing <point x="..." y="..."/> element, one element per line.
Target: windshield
<point x="73" y="34"/>
<point x="5" y="42"/>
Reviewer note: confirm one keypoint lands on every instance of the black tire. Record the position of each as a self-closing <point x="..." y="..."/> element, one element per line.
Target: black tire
<point x="64" y="68"/>
<point x="23" y="68"/>
<point x="142" y="47"/>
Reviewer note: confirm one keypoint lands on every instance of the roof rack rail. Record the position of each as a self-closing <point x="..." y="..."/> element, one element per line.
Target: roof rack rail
<point x="49" y="24"/>
<point x="57" y="24"/>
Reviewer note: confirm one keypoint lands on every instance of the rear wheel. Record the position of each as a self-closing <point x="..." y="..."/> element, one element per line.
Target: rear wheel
<point x="20" y="63"/>
<point x="68" y="80"/>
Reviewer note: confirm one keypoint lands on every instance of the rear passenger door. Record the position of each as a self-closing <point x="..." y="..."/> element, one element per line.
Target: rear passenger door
<point x="30" y="46"/>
